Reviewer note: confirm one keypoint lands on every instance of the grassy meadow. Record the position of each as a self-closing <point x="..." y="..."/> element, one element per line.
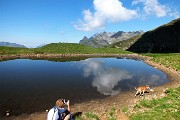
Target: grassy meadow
<point x="126" y="43"/>
<point x="72" y="48"/>
<point x="166" y="108"/>
<point x="61" y="48"/>
<point x="13" y="51"/>
<point x="169" y="60"/>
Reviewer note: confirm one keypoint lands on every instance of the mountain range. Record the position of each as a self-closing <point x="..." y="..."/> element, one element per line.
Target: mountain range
<point x="164" y="39"/>
<point x="8" y="44"/>
<point x="106" y="38"/>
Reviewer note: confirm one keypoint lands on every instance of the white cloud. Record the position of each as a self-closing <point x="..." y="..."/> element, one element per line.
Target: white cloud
<point x="153" y="7"/>
<point x="104" y="78"/>
<point x="111" y="11"/>
<point x="104" y="11"/>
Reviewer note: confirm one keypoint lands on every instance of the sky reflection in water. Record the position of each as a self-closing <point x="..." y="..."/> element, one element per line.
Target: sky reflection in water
<point x="111" y="76"/>
<point x="42" y="81"/>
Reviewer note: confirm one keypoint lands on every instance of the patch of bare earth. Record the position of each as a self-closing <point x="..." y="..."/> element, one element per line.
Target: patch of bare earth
<point x="102" y="107"/>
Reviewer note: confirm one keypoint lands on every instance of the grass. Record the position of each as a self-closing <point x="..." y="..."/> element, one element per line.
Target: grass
<point x="61" y="48"/>
<point x="125" y="109"/>
<point x="167" y="108"/>
<point x="72" y="48"/>
<point x="112" y="115"/>
<point x="126" y="43"/>
<point x="169" y="60"/>
<point x="12" y="50"/>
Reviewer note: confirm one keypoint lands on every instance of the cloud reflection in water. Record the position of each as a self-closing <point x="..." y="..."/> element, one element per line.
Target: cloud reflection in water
<point x="105" y="78"/>
<point x="112" y="79"/>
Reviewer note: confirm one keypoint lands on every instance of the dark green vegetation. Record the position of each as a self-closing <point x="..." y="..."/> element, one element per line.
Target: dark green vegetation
<point x="166" y="108"/>
<point x="61" y="48"/>
<point x="169" y="60"/>
<point x="126" y="43"/>
<point x="164" y="39"/>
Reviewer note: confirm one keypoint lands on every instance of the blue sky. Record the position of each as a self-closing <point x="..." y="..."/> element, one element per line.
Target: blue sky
<point x="36" y="22"/>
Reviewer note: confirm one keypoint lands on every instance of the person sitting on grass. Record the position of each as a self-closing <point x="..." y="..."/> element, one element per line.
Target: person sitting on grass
<point x="58" y="112"/>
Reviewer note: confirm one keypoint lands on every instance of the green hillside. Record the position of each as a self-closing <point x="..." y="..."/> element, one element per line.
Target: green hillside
<point x="61" y="48"/>
<point x="125" y="44"/>
<point x="74" y="48"/>
<point x="164" y="39"/>
<point x="171" y="60"/>
<point x="14" y="50"/>
<point x="66" y="48"/>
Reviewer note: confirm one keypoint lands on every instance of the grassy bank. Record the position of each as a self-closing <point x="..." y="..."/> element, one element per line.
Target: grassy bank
<point x="166" y="108"/>
<point x="169" y="60"/>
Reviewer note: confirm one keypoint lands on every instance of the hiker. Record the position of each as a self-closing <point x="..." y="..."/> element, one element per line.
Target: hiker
<point x="58" y="112"/>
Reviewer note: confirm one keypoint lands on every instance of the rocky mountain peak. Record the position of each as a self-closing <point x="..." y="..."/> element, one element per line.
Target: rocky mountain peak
<point x="105" y="38"/>
<point x="85" y="38"/>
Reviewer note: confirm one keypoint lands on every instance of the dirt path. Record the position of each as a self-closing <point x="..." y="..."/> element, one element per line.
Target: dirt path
<point x="102" y="107"/>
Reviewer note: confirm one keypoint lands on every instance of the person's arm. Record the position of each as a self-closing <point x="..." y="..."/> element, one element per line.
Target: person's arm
<point x="68" y="104"/>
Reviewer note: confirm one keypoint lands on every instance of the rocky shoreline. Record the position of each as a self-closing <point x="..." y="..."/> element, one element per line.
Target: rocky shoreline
<point x="101" y="107"/>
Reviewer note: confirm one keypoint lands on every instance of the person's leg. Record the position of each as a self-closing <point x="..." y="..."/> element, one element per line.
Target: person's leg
<point x="67" y="117"/>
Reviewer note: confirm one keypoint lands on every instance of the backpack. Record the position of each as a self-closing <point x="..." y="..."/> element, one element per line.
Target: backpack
<point x="55" y="114"/>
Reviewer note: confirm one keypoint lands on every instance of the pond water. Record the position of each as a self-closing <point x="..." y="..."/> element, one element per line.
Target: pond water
<point x="28" y="86"/>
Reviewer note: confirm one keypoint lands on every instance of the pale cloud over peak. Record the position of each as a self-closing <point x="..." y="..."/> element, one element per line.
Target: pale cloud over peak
<point x="104" y="11"/>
